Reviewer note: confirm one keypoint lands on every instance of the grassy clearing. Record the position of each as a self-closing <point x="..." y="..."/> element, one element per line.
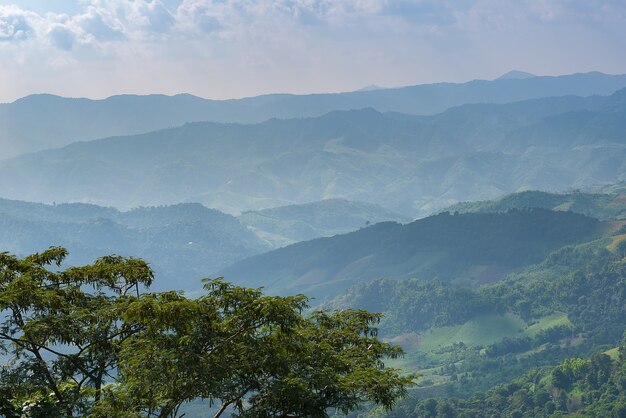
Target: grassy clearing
<point x="481" y="331"/>
<point x="613" y="353"/>
<point x="615" y="242"/>
<point x="432" y="347"/>
<point x="485" y="330"/>
<point x="554" y="320"/>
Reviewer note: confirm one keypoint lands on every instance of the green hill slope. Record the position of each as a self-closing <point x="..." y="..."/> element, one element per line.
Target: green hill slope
<point x="571" y="304"/>
<point x="576" y="387"/>
<point x="600" y="206"/>
<point x="467" y="248"/>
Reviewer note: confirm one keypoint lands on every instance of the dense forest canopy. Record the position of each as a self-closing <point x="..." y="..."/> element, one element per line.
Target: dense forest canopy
<point x="594" y="388"/>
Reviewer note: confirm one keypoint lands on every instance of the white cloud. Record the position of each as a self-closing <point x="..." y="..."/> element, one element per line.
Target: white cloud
<point x="62" y="37"/>
<point x="103" y="21"/>
<point x="227" y="48"/>
<point x="100" y="22"/>
<point x="14" y="25"/>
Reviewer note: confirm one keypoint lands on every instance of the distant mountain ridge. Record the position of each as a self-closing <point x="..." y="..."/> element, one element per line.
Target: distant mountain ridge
<point x="289" y="224"/>
<point x="45" y="121"/>
<point x="515" y="74"/>
<point x="183" y="242"/>
<point x="413" y="165"/>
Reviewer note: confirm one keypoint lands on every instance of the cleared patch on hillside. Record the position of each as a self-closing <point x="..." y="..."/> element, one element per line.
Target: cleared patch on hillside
<point x="615" y="242"/>
<point x="613" y="353"/>
<point x="620" y="199"/>
<point x="550" y="321"/>
<point x="480" y="331"/>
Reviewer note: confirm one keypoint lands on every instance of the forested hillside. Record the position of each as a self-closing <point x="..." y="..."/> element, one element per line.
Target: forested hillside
<point x="570" y="280"/>
<point x="467" y="249"/>
<point x="182" y="242"/>
<point x="591" y="388"/>
<point x="571" y="305"/>
<point x="601" y="206"/>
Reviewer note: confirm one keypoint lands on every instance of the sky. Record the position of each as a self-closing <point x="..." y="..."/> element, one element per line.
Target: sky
<point x="235" y="48"/>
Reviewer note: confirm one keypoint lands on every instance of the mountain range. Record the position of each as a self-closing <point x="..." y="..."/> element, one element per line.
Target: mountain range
<point x="183" y="243"/>
<point x="412" y="165"/>
<point x="43" y="121"/>
<point x="420" y="203"/>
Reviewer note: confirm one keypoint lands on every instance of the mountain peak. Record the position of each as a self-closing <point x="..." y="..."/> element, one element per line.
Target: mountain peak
<point x="515" y="75"/>
<point x="371" y="87"/>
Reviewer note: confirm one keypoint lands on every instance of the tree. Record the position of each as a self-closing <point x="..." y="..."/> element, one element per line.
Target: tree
<point x="63" y="341"/>
<point x="91" y="341"/>
<point x="254" y="353"/>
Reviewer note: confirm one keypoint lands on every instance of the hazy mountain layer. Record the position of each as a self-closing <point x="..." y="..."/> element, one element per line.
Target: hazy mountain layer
<point x="289" y="224"/>
<point x="413" y="165"/>
<point x="44" y="121"/>
<point x="600" y="206"/>
<point x="183" y="242"/>
<point x="465" y="248"/>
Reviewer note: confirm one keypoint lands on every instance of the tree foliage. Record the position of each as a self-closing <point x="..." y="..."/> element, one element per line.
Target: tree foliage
<point x="63" y="341"/>
<point x="90" y="341"/>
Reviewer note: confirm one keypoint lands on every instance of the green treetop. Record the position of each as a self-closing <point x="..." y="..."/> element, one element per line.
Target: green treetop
<point x="89" y="341"/>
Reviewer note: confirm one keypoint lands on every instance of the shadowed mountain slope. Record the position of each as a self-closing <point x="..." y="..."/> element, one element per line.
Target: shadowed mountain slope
<point x="466" y="248"/>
